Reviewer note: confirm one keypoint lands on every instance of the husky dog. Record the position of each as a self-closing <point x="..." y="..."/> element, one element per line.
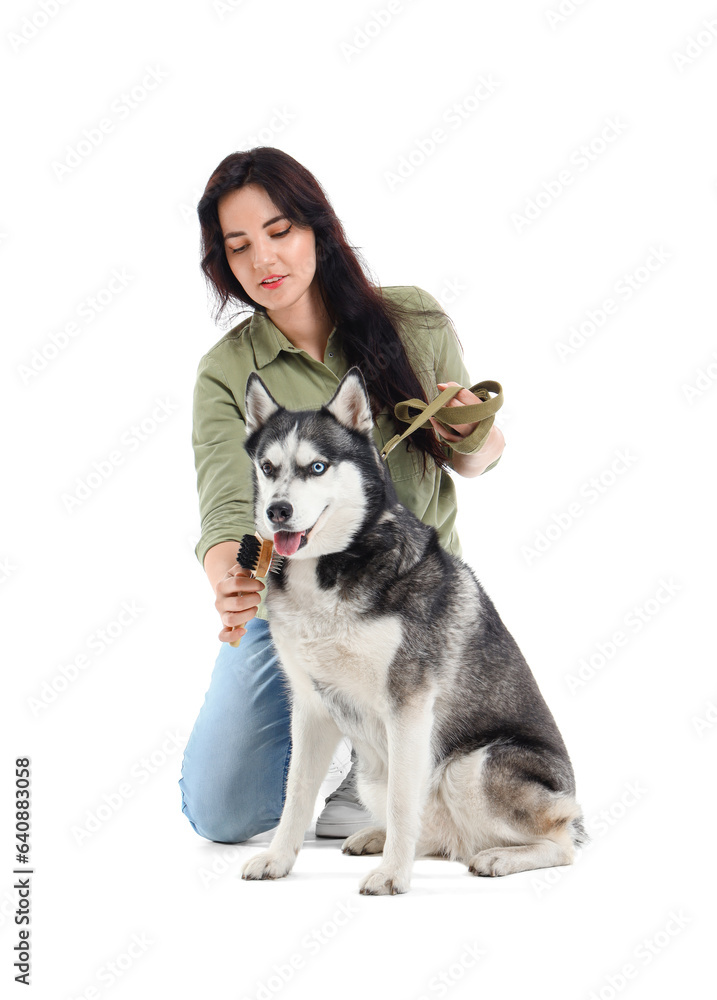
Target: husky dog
<point x="388" y="639"/>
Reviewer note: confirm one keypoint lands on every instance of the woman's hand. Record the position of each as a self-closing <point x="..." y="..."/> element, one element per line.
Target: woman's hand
<point x="458" y="431"/>
<point x="237" y="598"/>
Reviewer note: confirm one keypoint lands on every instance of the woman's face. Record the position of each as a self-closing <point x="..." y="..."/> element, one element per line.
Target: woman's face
<point x="260" y="242"/>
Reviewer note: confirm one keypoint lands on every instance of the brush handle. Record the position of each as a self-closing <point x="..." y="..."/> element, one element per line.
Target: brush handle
<point x="236" y="642"/>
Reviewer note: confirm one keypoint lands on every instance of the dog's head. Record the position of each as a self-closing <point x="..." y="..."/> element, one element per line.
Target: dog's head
<point x="317" y="473"/>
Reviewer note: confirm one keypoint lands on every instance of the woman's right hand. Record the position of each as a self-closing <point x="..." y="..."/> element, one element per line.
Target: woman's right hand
<point x="237" y="598"/>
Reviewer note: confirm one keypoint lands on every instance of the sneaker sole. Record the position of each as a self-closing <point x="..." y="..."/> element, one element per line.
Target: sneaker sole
<point x="340" y="830"/>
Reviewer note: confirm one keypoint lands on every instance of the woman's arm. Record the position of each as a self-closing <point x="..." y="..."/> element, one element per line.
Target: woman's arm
<point x="475" y="465"/>
<point x="218" y="560"/>
<point x="224" y="473"/>
<point x="224" y="481"/>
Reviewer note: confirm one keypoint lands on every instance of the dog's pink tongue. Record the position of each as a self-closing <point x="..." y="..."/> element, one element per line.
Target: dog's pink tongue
<point x="287" y="542"/>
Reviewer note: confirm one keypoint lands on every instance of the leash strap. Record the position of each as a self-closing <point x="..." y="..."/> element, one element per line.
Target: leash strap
<point x="483" y="413"/>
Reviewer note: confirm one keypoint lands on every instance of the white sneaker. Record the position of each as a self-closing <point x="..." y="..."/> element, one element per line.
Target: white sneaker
<point x="341" y="763"/>
<point x="337" y="772"/>
<point x="343" y="813"/>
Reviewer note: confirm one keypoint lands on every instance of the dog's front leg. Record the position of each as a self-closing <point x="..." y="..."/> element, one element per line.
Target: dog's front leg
<point x="408" y="733"/>
<point x="314" y="736"/>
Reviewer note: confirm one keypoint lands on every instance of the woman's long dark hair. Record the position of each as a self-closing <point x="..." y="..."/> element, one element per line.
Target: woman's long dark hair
<point x="366" y="320"/>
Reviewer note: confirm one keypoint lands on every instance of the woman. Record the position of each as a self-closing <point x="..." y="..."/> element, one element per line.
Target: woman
<point x="271" y="240"/>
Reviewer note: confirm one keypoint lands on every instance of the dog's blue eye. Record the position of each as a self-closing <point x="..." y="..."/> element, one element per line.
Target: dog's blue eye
<point x="266" y="468"/>
<point x="319" y="468"/>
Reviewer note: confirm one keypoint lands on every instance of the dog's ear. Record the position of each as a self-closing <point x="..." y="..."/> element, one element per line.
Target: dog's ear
<point x="259" y="404"/>
<point x="350" y="403"/>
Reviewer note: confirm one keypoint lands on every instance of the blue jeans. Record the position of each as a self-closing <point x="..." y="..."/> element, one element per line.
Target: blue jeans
<point x="237" y="758"/>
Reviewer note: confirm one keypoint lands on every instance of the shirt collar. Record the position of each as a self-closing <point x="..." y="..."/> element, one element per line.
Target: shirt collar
<point x="267" y="339"/>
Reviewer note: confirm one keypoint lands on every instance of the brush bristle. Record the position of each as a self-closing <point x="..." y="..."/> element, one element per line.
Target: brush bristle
<point x="248" y="554"/>
<point x="276" y="563"/>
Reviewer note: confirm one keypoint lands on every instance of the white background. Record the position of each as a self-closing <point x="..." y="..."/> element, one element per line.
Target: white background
<point x="353" y="99"/>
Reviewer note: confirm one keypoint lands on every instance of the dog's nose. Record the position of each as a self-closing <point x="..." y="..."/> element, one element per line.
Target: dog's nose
<point x="279" y="511"/>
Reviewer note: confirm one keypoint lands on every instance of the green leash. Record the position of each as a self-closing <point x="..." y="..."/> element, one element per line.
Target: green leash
<point x="483" y="413"/>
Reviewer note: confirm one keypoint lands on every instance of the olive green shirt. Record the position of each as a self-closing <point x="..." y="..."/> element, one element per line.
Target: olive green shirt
<point x="300" y="382"/>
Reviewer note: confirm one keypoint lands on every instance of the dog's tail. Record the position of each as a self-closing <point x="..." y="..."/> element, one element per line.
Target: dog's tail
<point x="578" y="833"/>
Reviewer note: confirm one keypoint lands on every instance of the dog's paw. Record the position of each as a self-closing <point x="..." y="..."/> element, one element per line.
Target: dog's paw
<point x="494" y="861"/>
<point x="384" y="882"/>
<point x="267" y="865"/>
<point x="367" y="841"/>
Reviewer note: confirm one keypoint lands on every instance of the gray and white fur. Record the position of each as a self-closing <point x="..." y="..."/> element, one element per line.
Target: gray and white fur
<point x="390" y="640"/>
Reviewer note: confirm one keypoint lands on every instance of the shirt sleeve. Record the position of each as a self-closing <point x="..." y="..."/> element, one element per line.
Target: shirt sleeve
<point x="224" y="474"/>
<point x="450" y="367"/>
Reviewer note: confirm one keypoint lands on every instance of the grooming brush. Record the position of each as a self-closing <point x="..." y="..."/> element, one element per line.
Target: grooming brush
<point x="257" y="555"/>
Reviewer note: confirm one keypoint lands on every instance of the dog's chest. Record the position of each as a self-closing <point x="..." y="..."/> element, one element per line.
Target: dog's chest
<point x="325" y="644"/>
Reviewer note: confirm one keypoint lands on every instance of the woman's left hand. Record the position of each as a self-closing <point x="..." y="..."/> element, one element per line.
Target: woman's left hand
<point x="458" y="431"/>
